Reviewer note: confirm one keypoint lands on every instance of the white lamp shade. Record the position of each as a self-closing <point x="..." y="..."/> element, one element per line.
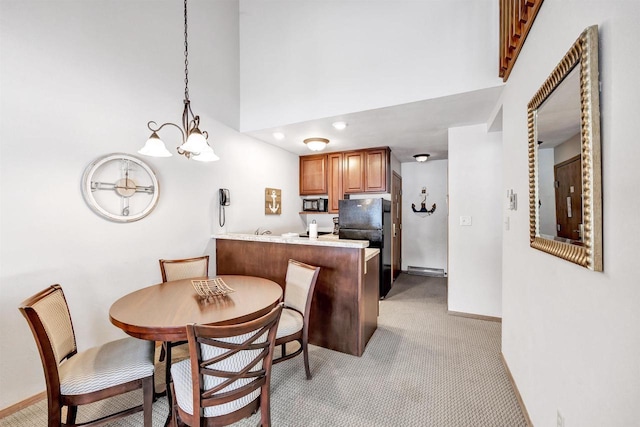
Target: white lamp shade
<point x="196" y="142"/>
<point x="154" y="147"/>
<point x="316" y="144"/>
<point x="422" y="157"/>
<point x="207" y="155"/>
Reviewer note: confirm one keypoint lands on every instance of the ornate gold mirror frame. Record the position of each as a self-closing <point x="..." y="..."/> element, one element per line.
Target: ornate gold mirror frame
<point x="587" y="251"/>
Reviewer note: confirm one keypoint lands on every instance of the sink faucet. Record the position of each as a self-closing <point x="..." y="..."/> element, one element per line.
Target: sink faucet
<point x="264" y="232"/>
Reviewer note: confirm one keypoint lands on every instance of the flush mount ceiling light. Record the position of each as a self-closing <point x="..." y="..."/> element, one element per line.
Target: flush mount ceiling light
<point x="339" y="125"/>
<point x="422" y="157"/>
<point x="194" y="142"/>
<point x="316" y="144"/>
<point x="278" y="135"/>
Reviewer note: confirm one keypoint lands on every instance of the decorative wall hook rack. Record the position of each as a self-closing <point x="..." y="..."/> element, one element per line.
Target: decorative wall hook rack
<point x="423" y="204"/>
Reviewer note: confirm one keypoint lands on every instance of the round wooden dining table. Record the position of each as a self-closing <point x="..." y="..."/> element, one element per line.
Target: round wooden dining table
<point x="161" y="312"/>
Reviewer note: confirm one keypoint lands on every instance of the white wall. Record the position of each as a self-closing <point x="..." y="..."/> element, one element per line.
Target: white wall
<point x="571" y="337"/>
<point x="303" y="60"/>
<point x="547" y="189"/>
<point x="475" y="190"/>
<point x="568" y="149"/>
<point x="424" y="238"/>
<point x="78" y="81"/>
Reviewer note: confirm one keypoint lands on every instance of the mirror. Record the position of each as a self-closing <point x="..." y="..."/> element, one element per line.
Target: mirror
<point x="565" y="198"/>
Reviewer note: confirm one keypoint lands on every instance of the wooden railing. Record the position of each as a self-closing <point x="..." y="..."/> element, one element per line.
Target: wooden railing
<point x="516" y="18"/>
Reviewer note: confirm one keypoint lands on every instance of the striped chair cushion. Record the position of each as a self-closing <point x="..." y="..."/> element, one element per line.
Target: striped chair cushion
<point x="181" y="375"/>
<point x="113" y="363"/>
<point x="290" y="322"/>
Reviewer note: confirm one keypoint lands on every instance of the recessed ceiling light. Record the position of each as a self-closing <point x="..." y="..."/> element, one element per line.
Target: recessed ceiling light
<point x="278" y="135"/>
<point x="339" y="125"/>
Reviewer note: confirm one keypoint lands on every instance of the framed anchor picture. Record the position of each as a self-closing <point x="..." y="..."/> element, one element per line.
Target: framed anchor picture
<point x="272" y="201"/>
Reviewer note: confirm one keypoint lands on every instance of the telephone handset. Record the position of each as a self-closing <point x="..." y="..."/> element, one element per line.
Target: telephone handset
<point x="225" y="199"/>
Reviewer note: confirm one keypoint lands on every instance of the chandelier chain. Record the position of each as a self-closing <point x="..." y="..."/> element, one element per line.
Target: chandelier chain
<point x="186" y="55"/>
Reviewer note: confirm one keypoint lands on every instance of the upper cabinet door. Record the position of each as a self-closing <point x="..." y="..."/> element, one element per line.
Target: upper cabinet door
<point x="377" y="172"/>
<point x="353" y="172"/>
<point x="313" y="175"/>
<point x="334" y="177"/>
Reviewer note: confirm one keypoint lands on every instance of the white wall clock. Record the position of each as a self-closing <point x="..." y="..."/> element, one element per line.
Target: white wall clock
<point x="120" y="187"/>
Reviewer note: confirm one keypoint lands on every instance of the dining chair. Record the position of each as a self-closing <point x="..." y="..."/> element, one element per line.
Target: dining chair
<point x="177" y="269"/>
<point x="228" y="373"/>
<point x="187" y="268"/>
<point x="300" y="283"/>
<point x="77" y="378"/>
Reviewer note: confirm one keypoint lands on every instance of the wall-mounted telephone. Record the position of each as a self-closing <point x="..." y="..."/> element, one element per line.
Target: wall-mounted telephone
<point x="225" y="199"/>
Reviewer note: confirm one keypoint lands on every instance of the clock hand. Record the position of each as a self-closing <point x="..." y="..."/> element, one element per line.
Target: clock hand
<point x="126" y="177"/>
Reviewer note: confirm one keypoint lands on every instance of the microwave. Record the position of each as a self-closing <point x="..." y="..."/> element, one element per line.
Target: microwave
<point x="315" y="205"/>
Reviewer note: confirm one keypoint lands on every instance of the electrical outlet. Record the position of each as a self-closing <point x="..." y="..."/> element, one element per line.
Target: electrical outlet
<point x="465" y="220"/>
<point x="560" y="420"/>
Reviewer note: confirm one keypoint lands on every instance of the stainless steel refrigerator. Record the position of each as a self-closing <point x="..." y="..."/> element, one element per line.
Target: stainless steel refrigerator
<point x="369" y="219"/>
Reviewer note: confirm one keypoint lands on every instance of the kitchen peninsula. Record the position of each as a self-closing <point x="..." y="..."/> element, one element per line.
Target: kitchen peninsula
<point x="344" y="312"/>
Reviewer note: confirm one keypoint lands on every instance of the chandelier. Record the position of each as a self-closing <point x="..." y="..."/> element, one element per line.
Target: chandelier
<point x="194" y="142"/>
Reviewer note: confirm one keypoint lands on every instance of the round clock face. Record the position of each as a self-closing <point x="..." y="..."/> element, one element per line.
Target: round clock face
<point x="120" y="187"/>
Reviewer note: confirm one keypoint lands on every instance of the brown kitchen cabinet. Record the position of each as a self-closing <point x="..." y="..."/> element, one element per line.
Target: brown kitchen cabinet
<point x="335" y="180"/>
<point x="353" y="171"/>
<point x="344" y="309"/>
<point x="377" y="170"/>
<point x="313" y="175"/>
<point x="367" y="171"/>
<point x="345" y="172"/>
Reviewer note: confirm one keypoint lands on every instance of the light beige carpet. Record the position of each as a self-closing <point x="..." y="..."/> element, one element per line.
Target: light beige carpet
<point x="422" y="367"/>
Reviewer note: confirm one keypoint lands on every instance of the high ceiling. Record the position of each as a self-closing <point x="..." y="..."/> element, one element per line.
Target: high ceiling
<point x="408" y="129"/>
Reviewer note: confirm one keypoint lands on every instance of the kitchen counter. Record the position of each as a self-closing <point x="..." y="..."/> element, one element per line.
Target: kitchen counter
<point x="322" y="240"/>
<point x="370" y="253"/>
<point x="325" y="240"/>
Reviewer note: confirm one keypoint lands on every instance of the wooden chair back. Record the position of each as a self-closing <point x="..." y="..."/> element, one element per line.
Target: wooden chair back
<point x="230" y="371"/>
<point x="177" y="269"/>
<point x="49" y="318"/>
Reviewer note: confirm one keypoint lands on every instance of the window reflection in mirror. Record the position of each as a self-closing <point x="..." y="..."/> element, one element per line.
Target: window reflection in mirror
<point x="559" y="163"/>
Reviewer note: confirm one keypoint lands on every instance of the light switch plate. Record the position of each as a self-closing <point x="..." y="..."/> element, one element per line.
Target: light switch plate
<point x="465" y="220"/>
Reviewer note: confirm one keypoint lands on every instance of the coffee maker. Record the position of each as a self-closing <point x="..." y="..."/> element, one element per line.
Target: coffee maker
<point x="336" y="226"/>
